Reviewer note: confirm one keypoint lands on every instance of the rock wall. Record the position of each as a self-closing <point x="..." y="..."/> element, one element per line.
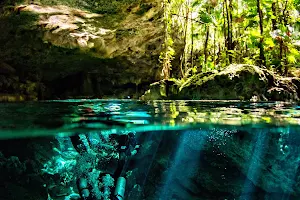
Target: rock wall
<point x="66" y="49"/>
<point x="236" y="82"/>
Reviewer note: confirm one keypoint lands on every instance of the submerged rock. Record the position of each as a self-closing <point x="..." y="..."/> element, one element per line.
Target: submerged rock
<point x="236" y="82"/>
<point x="213" y="163"/>
<point x="225" y="165"/>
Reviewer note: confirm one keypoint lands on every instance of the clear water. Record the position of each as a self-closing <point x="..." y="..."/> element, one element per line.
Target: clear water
<point x="180" y="149"/>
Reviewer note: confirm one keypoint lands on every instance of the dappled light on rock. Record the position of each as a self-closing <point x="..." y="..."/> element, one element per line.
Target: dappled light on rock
<point x="66" y="42"/>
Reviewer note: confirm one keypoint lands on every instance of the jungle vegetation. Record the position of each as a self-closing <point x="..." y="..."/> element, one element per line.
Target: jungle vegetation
<point x="211" y="34"/>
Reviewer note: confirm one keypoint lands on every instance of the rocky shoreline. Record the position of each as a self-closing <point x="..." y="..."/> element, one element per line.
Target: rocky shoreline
<point x="236" y="82"/>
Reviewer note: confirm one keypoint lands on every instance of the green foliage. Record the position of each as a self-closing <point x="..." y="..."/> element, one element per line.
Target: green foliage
<point x="236" y="31"/>
<point x="205" y="17"/>
<point x="167" y="55"/>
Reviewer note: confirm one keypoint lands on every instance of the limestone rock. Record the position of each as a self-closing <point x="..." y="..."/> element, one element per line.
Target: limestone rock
<point x="108" y="49"/>
<point x="236" y="82"/>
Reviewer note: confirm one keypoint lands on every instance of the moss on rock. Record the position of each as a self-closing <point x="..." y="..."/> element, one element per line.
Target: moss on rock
<point x="236" y="82"/>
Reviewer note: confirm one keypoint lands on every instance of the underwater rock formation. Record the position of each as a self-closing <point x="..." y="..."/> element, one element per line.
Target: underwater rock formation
<point x="66" y="49"/>
<point x="214" y="163"/>
<point x="236" y="82"/>
<point x="225" y="164"/>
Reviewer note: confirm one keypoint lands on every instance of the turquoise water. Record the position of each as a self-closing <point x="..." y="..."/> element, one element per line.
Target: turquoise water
<point x="164" y="149"/>
<point x="48" y="118"/>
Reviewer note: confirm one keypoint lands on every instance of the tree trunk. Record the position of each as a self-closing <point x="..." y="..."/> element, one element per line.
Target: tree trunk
<point x="184" y="42"/>
<point x="225" y="32"/>
<point x="274" y="22"/>
<point x="231" y="31"/>
<point x="260" y="45"/>
<point x="192" y="41"/>
<point x="214" y="53"/>
<point x="206" y="44"/>
<point x="285" y="13"/>
<point x="229" y="39"/>
<point x="224" y="25"/>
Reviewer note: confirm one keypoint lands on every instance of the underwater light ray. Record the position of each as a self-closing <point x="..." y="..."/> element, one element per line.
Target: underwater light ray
<point x="254" y="169"/>
<point x="188" y="138"/>
<point x="153" y="155"/>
